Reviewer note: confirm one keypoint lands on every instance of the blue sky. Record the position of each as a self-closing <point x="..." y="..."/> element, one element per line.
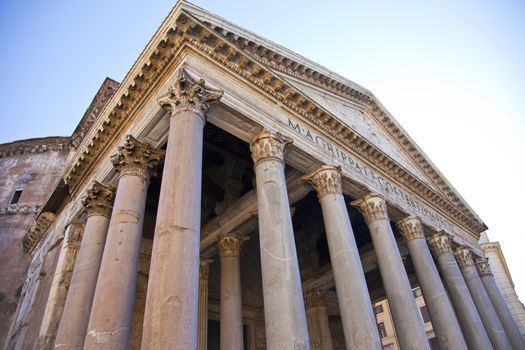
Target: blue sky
<point x="451" y="72"/>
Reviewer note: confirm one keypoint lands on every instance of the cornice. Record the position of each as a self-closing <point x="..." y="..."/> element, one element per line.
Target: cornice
<point x="214" y="44"/>
<point x="38" y="145"/>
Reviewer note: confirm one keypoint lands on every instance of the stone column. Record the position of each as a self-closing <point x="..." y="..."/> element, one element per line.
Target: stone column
<point x="59" y="286"/>
<point x="98" y="204"/>
<point x="468" y="317"/>
<point x="171" y="316"/>
<point x="204" y="273"/>
<point x="283" y="297"/>
<point x="407" y="320"/>
<point x="318" y="324"/>
<point x="111" y="314"/>
<point x="357" y="316"/>
<point x="486" y="311"/>
<point x="231" y="301"/>
<point x="444" y="322"/>
<point x="502" y="310"/>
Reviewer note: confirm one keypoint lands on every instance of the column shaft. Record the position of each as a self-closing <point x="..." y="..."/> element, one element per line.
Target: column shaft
<point x="488" y="315"/>
<point x="318" y="324"/>
<point x="110" y="320"/>
<point x="231" y="300"/>
<point x="444" y="322"/>
<point x="203" y="304"/>
<point x="59" y="286"/>
<point x="75" y="317"/>
<point x="407" y="320"/>
<point x="171" y="316"/>
<point x="359" y="325"/>
<point x="285" y="317"/>
<point x="468" y="317"/>
<point x="502" y="310"/>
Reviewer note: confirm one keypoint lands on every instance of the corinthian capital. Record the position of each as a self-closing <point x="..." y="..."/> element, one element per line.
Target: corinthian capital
<point x="463" y="256"/>
<point x="482" y="264"/>
<point x="372" y="206"/>
<point x="188" y="94"/>
<point x="137" y="158"/>
<point x="99" y="199"/>
<point x="411" y="228"/>
<point x="440" y="243"/>
<point x="268" y="145"/>
<point x="326" y="180"/>
<point x="230" y="245"/>
<point x="204" y="270"/>
<point x="314" y="297"/>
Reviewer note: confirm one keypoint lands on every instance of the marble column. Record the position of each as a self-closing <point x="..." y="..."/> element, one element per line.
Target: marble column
<point x="59" y="286"/>
<point x="359" y="324"/>
<point x="407" y="320"/>
<point x="283" y="297"/>
<point x="111" y="314"/>
<point x="204" y="273"/>
<point x="444" y="322"/>
<point x="98" y="204"/>
<point x="317" y="318"/>
<point x="468" y="317"/>
<point x="502" y="310"/>
<point x="229" y="247"/>
<point x="171" y="316"/>
<point x="486" y="311"/>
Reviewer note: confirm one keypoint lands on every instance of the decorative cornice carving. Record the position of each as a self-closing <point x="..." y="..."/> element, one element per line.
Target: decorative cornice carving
<point x="99" y="199"/>
<point x="37" y="231"/>
<point x="16" y="209"/>
<point x="326" y="180"/>
<point x="440" y="243"/>
<point x="243" y="58"/>
<point x="204" y="268"/>
<point x="483" y="266"/>
<point x="267" y="145"/>
<point x="188" y="94"/>
<point x="230" y="245"/>
<point x="411" y="228"/>
<point x="314" y="297"/>
<point x="40" y="145"/>
<point x="463" y="256"/>
<point x="372" y="206"/>
<point x="136" y="158"/>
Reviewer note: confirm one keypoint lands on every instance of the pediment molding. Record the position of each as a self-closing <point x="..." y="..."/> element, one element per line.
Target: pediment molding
<point x="188" y="31"/>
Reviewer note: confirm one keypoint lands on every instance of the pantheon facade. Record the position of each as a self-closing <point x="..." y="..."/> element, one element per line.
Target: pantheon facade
<point x="230" y="194"/>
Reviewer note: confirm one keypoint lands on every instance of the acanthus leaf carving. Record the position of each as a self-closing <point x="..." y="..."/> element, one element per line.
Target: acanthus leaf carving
<point x="326" y="180"/>
<point x="372" y="206"/>
<point x="99" y="199"/>
<point x="411" y="228"/>
<point x="463" y="256"/>
<point x="440" y="243"/>
<point x="268" y="145"/>
<point x="137" y="158"/>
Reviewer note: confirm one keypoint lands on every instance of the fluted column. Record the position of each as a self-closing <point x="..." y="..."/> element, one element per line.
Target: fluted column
<point x="59" y="286"/>
<point x="358" y="319"/>
<point x="171" y="316"/>
<point x="407" y="320"/>
<point x="317" y="318"/>
<point x="111" y="314"/>
<point x="231" y="299"/>
<point x="502" y="310"/>
<point x="283" y="298"/>
<point x="204" y="273"/>
<point x="444" y="322"/>
<point x="486" y="311"/>
<point x="98" y="204"/>
<point x="468" y="317"/>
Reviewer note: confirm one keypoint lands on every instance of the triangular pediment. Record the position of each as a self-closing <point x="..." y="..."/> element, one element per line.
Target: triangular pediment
<point x="340" y="108"/>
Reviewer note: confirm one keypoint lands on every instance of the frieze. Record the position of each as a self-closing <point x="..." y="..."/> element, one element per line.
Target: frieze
<point x="359" y="170"/>
<point x="191" y="32"/>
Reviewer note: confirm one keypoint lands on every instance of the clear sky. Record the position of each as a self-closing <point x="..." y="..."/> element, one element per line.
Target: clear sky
<point x="451" y="72"/>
